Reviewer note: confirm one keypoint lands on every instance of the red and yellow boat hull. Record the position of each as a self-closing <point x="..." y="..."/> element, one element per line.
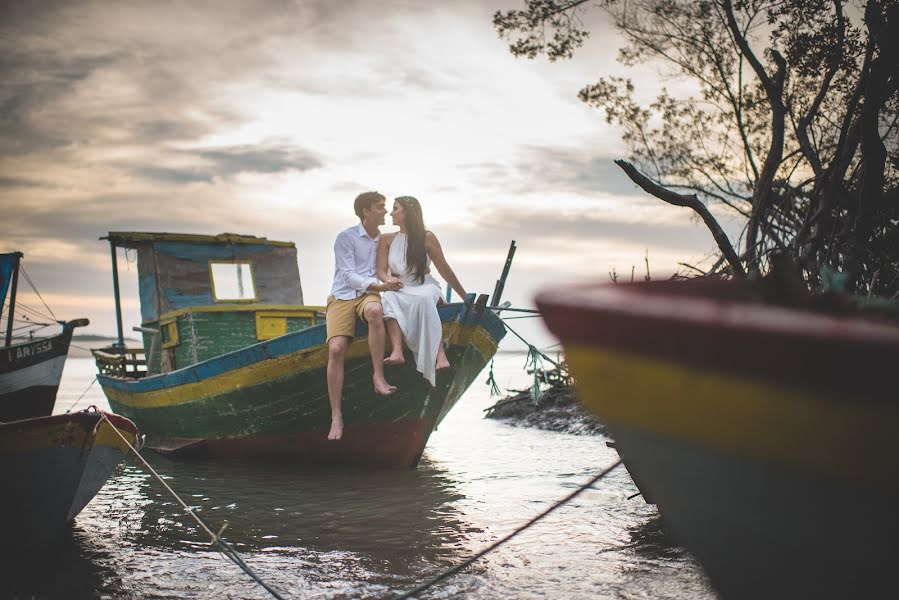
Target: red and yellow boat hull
<point x="764" y="434"/>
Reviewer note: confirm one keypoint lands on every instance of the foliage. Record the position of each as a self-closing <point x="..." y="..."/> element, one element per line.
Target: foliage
<point x="793" y="125"/>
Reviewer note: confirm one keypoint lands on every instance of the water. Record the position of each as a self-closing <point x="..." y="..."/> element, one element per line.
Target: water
<point x="370" y="534"/>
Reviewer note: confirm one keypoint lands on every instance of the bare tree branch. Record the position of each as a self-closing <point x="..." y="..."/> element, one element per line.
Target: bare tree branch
<point x="690" y="202"/>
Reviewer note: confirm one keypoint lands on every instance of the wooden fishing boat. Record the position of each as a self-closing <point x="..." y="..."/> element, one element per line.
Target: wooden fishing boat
<point x="234" y="364"/>
<point x="767" y="436"/>
<point x="52" y="467"/>
<point x="30" y="367"/>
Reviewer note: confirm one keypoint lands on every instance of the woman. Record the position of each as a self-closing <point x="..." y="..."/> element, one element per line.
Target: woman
<point x="411" y="311"/>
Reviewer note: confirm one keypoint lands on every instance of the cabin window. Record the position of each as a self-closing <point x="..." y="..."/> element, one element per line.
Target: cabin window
<point x="232" y="281"/>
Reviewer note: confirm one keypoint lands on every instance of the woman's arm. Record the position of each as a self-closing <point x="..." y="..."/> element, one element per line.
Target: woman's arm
<point x="382" y="270"/>
<point x="435" y="252"/>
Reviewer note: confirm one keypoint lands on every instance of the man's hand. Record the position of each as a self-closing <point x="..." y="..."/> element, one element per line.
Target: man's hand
<point x="391" y="285"/>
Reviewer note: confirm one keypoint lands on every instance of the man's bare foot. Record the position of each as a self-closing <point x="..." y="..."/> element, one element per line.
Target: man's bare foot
<point x="382" y="387"/>
<point x="336" y="429"/>
<point x="395" y="359"/>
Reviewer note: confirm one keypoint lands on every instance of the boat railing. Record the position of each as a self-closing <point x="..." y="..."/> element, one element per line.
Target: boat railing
<point x="128" y="363"/>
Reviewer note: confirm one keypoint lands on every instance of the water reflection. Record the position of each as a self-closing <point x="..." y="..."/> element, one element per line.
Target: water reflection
<point x="392" y="520"/>
<point x="351" y="534"/>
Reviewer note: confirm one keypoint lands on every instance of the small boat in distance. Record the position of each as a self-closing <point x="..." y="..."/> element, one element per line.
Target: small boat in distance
<point x="767" y="436"/>
<point x="30" y="367"/>
<point x="52" y="467"/>
<point x="233" y="364"/>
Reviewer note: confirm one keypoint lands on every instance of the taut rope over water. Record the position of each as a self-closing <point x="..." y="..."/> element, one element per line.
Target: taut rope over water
<point x="452" y="571"/>
<point x="68" y="410"/>
<point x="224" y="547"/>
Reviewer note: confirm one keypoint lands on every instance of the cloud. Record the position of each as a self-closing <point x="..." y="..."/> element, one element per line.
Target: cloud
<point x="556" y="170"/>
<point x="212" y="163"/>
<point x="267" y="118"/>
<point x="20" y="182"/>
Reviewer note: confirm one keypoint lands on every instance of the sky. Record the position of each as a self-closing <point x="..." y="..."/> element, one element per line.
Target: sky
<point x="267" y="118"/>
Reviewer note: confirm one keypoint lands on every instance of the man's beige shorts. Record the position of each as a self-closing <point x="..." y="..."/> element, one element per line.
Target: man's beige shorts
<point x="340" y="317"/>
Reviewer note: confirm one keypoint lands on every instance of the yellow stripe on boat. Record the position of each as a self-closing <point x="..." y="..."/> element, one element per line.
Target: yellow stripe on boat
<point x="271" y="369"/>
<point x="830" y="436"/>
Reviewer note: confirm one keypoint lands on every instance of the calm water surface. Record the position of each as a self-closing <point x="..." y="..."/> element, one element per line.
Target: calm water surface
<point x="371" y="534"/>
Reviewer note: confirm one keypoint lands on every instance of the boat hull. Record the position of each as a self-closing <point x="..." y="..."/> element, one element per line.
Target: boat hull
<point x="767" y="437"/>
<point x="270" y="401"/>
<point x="53" y="466"/>
<point x="30" y="374"/>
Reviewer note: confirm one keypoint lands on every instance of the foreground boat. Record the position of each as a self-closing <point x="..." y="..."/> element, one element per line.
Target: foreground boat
<point x="236" y="365"/>
<point x="30" y="369"/>
<point x="52" y="467"/>
<point x="767" y="436"/>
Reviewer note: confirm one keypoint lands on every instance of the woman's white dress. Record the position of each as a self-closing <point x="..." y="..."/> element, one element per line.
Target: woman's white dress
<point x="414" y="307"/>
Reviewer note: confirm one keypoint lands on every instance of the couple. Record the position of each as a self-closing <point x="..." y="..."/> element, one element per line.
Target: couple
<point x="378" y="278"/>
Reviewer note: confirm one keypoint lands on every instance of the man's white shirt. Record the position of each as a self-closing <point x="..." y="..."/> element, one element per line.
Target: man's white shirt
<point x="354" y="262"/>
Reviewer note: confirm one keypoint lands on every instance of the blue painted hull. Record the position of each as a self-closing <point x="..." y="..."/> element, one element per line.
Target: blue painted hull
<point x="52" y="467"/>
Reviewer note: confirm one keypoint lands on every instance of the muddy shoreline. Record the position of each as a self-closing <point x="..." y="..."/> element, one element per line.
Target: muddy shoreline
<point x="556" y="409"/>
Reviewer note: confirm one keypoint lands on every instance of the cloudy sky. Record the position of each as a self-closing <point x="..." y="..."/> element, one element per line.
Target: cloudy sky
<point x="268" y="118"/>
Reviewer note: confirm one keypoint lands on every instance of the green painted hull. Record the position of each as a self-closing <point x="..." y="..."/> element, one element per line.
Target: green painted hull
<point x="277" y="407"/>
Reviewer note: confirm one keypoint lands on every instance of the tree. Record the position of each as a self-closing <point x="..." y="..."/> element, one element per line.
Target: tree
<point x="793" y="126"/>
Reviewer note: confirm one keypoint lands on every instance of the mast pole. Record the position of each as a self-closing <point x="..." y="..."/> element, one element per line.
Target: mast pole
<point x="118" y="301"/>
<point x="12" y="299"/>
<point x="501" y="282"/>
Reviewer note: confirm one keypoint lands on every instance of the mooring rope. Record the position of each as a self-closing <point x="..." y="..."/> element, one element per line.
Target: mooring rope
<point x="532" y="311"/>
<point x="68" y="410"/>
<point x="531" y="347"/>
<point x="224" y="547"/>
<point x="452" y="571"/>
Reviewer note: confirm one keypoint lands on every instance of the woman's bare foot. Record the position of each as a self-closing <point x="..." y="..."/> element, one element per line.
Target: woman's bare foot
<point x="442" y="361"/>
<point x="382" y="387"/>
<point x="395" y="359"/>
<point x="336" y="429"/>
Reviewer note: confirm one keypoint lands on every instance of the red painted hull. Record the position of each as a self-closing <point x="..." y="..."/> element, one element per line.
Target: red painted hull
<point x="395" y="444"/>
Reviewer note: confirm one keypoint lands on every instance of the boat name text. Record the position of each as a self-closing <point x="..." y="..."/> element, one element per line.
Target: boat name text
<point x="33" y="349"/>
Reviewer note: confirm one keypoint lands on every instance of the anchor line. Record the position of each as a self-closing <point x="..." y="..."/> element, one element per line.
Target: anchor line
<point x="452" y="571"/>
<point x="224" y="547"/>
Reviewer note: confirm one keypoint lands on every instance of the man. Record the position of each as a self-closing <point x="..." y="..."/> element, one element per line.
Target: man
<point x="355" y="294"/>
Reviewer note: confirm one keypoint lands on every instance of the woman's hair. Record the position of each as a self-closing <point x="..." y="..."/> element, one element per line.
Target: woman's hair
<point x="416" y="253"/>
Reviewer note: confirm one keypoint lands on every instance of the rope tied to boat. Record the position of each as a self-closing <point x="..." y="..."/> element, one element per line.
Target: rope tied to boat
<point x="453" y="570"/>
<point x="491" y="382"/>
<point x="224" y="547"/>
<point x="68" y="410"/>
<point x="532" y="348"/>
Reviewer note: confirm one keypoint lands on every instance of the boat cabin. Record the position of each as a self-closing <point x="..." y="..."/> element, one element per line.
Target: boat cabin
<point x="203" y="296"/>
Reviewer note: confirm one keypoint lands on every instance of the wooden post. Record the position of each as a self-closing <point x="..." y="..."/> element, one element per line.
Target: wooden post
<point x="12" y="299"/>
<point x="501" y="282"/>
<point x="118" y="301"/>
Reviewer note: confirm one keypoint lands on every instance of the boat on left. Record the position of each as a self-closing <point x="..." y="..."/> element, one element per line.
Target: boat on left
<point x="52" y="465"/>
<point x="30" y="366"/>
